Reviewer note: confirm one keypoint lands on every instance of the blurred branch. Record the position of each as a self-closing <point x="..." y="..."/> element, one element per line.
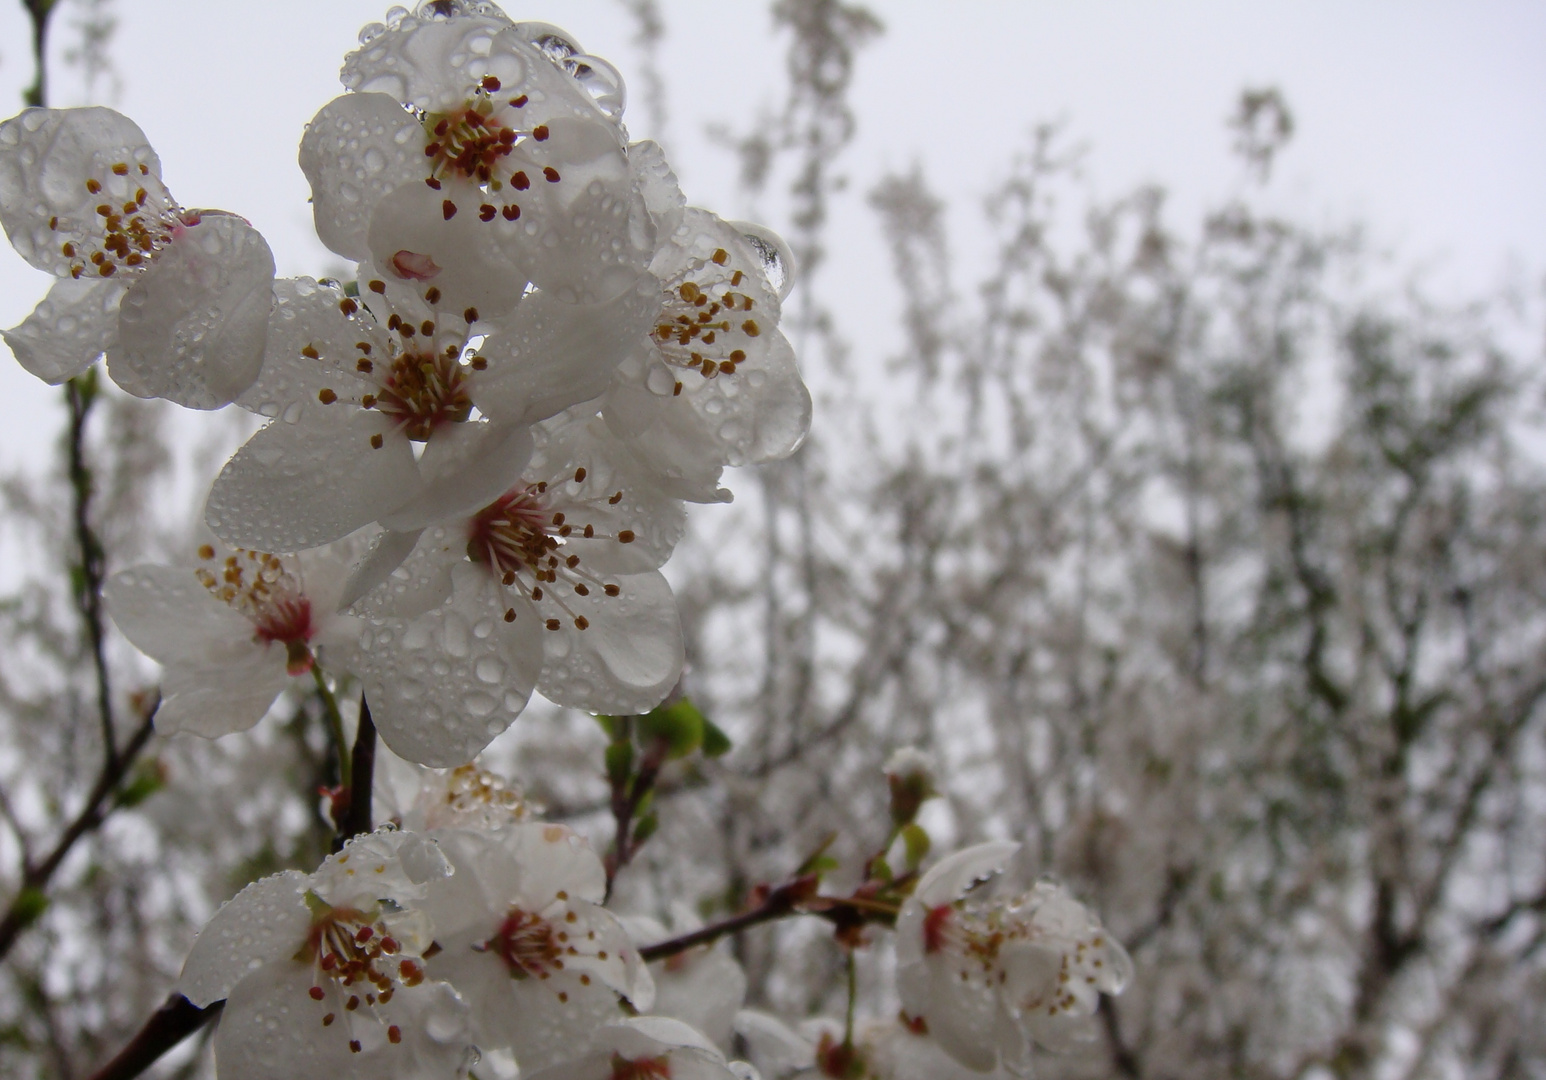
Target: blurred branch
<point x="30" y="899"/>
<point x="169" y="1025"/>
<point x="81" y="395"/>
<point x="357" y="817"/>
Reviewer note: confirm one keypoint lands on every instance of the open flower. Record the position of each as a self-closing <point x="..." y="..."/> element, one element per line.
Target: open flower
<point x="720" y="385"/>
<point x="703" y="987"/>
<point x="507" y="163"/>
<point x="525" y="940"/>
<point x="553" y="585"/>
<point x="178" y="299"/>
<point x="232" y="631"/>
<point x="323" y="974"/>
<point x="988" y="977"/>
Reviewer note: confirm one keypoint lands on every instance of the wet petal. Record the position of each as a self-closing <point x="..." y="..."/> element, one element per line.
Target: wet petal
<point x="267" y="919"/>
<point x="294" y="486"/>
<point x="192" y="326"/>
<point x="357" y="149"/>
<point x="73" y="325"/>
<point x="463" y="468"/>
<point x="628" y="657"/>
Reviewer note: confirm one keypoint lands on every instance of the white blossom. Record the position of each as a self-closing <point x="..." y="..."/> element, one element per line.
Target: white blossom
<point x="551" y="586"/>
<point x="323" y="974"/>
<point x="703" y="987"/>
<point x="178" y="299"/>
<point x="525" y="940"/>
<point x="990" y="976"/>
<point x="509" y="160"/>
<point x="232" y="631"/>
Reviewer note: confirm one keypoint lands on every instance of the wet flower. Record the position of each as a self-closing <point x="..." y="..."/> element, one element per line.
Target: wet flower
<point x="525" y="940"/>
<point x="553" y="585"/>
<point x="232" y="631"/>
<point x="719" y="385"/>
<point x="323" y="974"/>
<point x="178" y="299"/>
<point x="702" y="987"/>
<point x="475" y="141"/>
<point x="987" y="977"/>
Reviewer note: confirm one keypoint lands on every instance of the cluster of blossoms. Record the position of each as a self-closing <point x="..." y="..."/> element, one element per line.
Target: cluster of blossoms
<point x="475" y="463"/>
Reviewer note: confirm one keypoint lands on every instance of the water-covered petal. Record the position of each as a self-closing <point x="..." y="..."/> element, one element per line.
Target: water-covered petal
<point x="73" y="325"/>
<point x="356" y="150"/>
<point x="628" y="656"/>
<point x="265" y="920"/>
<point x="192" y="327"/>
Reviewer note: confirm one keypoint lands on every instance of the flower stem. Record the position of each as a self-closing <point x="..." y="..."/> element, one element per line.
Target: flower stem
<point x="335" y="726"/>
<point x="853" y="998"/>
<point x="357" y="818"/>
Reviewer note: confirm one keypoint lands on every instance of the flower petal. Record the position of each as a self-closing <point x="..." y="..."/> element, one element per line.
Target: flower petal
<point x="192" y="326"/>
<point x="548" y="355"/>
<point x="628" y="657"/>
<point x="356" y="150"/>
<point x="953" y="875"/>
<point x="295" y="486"/>
<point x="265" y="920"/>
<point x="463" y="468"/>
<point x="443" y="685"/>
<point x="73" y="325"/>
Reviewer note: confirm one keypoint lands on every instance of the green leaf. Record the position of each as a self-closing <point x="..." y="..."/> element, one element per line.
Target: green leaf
<point x="29" y="905"/>
<point x="809" y="866"/>
<point x="616" y="727"/>
<point x="646" y="828"/>
<point x="880" y="870"/>
<point x="619" y="762"/>
<point x="916" y="840"/>
<point x="679" y="725"/>
<point x="715" y="742"/>
<point x="149" y="778"/>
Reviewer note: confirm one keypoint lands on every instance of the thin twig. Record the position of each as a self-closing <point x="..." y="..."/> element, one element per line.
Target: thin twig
<point x="780" y="903"/>
<point x="169" y="1025"/>
<point x="27" y="904"/>
<point x="626" y="800"/>
<point x="81" y="395"/>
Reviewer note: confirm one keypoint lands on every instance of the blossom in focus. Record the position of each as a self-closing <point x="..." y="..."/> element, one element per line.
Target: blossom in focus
<point x="323" y="974"/>
<point x="553" y="586"/>
<point x="988" y="977"/>
<point x="232" y="631"/>
<point x="526" y="942"/>
<point x="647" y="1048"/>
<point x="496" y="145"/>
<point x="178" y="299"/>
<point x="719" y="385"/>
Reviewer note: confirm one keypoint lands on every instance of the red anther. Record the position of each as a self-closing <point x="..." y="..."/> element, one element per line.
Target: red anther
<point x="519" y="102"/>
<point x="365" y="934"/>
<point x="486" y="212"/>
<point x="316" y="993"/>
<point x="551" y="174"/>
<point x="520" y="181"/>
<point x="354" y="1046"/>
<point x="433" y="183"/>
<point x="540" y="133"/>
<point x="512" y="212"/>
<point x="394" y="1034"/>
<point x="934" y="928"/>
<point x="490" y="83"/>
<point x="389" y="945"/>
<point x="448" y="208"/>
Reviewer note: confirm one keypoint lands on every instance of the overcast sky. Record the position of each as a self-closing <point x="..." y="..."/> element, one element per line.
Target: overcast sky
<point x="1425" y="119"/>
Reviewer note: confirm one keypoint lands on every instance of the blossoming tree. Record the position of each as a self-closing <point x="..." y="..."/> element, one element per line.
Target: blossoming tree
<point x="475" y="460"/>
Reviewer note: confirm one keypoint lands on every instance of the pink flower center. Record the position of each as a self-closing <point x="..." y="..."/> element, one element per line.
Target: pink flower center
<point x="256" y="584"/>
<point x="656" y="1068"/>
<point x="528" y="944"/>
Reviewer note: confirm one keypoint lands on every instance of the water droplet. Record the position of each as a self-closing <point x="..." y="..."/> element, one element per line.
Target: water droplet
<point x="778" y="264"/>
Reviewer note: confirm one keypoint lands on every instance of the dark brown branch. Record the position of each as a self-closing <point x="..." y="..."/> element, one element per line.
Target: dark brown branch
<point x="169" y="1025"/>
<point x="27" y="904"/>
<point x="80" y="394"/>
<point x="357" y="818"/>
<point x="780" y="903"/>
<point x="627" y="797"/>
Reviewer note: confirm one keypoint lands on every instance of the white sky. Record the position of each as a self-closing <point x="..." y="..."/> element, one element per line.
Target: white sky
<point x="1426" y="119"/>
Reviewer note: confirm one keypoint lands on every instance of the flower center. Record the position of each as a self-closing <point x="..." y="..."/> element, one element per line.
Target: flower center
<point x="422" y="391"/>
<point x="521" y="538"/>
<point x="657" y="1068"/>
<point x="470" y="142"/>
<point x="256" y="584"/>
<point x="528" y="944"/>
<point x="133" y="222"/>
<point x="706" y="322"/>
<point x="354" y="958"/>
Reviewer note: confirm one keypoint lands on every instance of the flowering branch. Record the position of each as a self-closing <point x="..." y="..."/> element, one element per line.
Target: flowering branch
<point x="30" y="901"/>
